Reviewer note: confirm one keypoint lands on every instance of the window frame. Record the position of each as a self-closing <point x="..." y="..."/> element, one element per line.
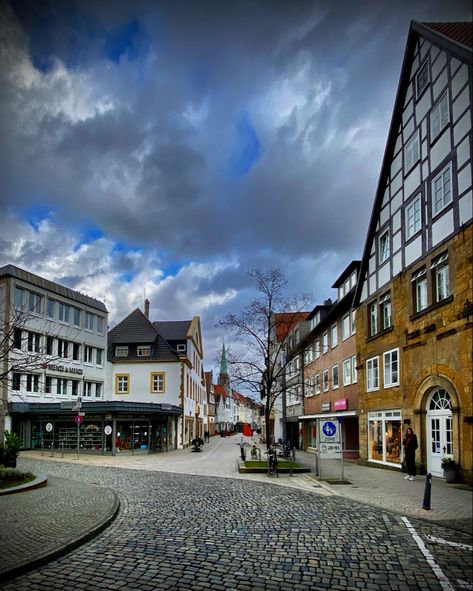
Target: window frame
<point x="409" y="148"/>
<point x="372" y="364"/>
<point x="121" y="347"/>
<point x="442" y="115"/>
<point x="119" y="377"/>
<point x="354" y="371"/>
<point x="410" y="233"/>
<point x="384" y="253"/>
<point x="441" y="269"/>
<point x="390" y="383"/>
<point x="325" y="380"/>
<point x="347" y="377"/>
<point x="334" y="335"/>
<point x="64" y="311"/>
<point x="335" y="382"/>
<point x="346" y="326"/>
<point x="157" y="374"/>
<point x="141" y="348"/>
<point x="436" y="209"/>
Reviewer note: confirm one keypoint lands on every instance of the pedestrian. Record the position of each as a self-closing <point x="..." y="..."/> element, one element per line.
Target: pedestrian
<point x="206" y="436"/>
<point x="410" y="446"/>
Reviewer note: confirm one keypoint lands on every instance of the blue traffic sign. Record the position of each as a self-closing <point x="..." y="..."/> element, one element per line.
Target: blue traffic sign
<point x="329" y="429"/>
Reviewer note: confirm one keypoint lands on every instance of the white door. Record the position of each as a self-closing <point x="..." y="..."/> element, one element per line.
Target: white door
<point x="439" y="431"/>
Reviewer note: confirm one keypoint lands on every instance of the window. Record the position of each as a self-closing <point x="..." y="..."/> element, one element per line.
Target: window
<point x="386" y="310"/>
<point x="372" y="374"/>
<point x="385" y="437"/>
<point x="74" y="387"/>
<point x="121" y="351"/>
<point x="76" y="316"/>
<point x="50" y="308"/>
<point x="32" y="383"/>
<point x="88" y="389"/>
<point x="143" y="351"/>
<point x="34" y="303"/>
<point x="334" y="335"/>
<point x="373" y="308"/>
<point x="325" y="342"/>
<point x="419" y="287"/>
<point x="347" y="372"/>
<point x="325" y="380"/>
<point x="181" y="348"/>
<point x="99" y="356"/>
<point x="48" y="386"/>
<point x="76" y="351"/>
<point x="391" y="368"/>
<point x="49" y="345"/>
<point x="122" y="383"/>
<point x="61" y="386"/>
<point x="88" y="352"/>
<point x="422" y="79"/>
<point x="384" y="249"/>
<point x="411" y="152"/>
<point x="33" y="342"/>
<point x="353" y="321"/>
<point x="157" y="383"/>
<point x="413" y="219"/>
<point x="317" y="383"/>
<point x="16" y="381"/>
<point x="346" y="327"/>
<point x="98" y="390"/>
<point x="63" y="312"/>
<point x="335" y="377"/>
<point x="62" y="348"/>
<point x="99" y="324"/>
<point x="441" y="277"/>
<point x="354" y="372"/>
<point x="439" y="117"/>
<point x="19" y="299"/>
<point x="442" y="190"/>
<point x="17" y="338"/>
<point x="317" y="349"/>
<point x="89" y="321"/>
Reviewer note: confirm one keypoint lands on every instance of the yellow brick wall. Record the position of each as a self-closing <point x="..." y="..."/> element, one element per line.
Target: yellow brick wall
<point x="435" y="350"/>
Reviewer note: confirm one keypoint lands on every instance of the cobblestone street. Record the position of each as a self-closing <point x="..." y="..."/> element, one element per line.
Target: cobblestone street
<point x="189" y="532"/>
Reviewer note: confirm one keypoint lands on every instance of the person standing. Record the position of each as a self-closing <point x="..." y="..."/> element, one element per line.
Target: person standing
<point x="410" y="446"/>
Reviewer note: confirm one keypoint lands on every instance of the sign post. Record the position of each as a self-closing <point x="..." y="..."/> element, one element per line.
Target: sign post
<point x="78" y="419"/>
<point x="330" y="443"/>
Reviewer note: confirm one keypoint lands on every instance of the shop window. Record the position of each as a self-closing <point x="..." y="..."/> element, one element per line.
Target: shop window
<point x="385" y="437"/>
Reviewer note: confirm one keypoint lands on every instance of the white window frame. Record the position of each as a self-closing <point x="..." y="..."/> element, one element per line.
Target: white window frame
<point x="388" y="363"/>
<point x="347" y="371"/>
<point x="34" y="302"/>
<point x="373" y="316"/>
<point x="372" y="374"/>
<point x="439" y="183"/>
<point x="385" y="308"/>
<point x="317" y="383"/>
<point x="441" y="276"/>
<point x="413" y="218"/>
<point x="346" y="327"/>
<point x="88" y="354"/>
<point x="420" y="290"/>
<point x="439" y="117"/>
<point x="334" y="335"/>
<point x="64" y="313"/>
<point x="354" y="371"/>
<point x="325" y="343"/>
<point x="143" y="350"/>
<point x="89" y="321"/>
<point x="384" y="247"/>
<point x="335" y="377"/>
<point x="353" y="322"/>
<point x="121" y="350"/>
<point x="325" y="380"/>
<point x="411" y="152"/>
<point x="76" y="312"/>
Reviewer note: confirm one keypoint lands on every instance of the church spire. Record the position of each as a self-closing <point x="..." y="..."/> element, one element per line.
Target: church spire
<point x="223" y="378"/>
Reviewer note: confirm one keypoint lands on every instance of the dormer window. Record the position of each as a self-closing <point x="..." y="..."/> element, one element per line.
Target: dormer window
<point x="121" y="351"/>
<point x="143" y="351"/>
<point x="181" y="348"/>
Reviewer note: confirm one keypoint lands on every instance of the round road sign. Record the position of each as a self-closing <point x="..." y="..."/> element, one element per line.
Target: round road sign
<point x="78" y="419"/>
<point x="108" y="430"/>
<point x="49" y="427"/>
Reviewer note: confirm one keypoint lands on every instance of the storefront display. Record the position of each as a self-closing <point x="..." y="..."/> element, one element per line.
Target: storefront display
<point x="385" y="437"/>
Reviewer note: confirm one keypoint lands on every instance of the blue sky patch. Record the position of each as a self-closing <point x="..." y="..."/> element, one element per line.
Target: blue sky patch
<point x="248" y="146"/>
<point x="124" y="41"/>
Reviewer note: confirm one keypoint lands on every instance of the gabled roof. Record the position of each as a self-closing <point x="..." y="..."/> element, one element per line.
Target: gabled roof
<point x="135" y="328"/>
<point x="353" y="266"/>
<point x="285" y="322"/>
<point x="220" y="390"/>
<point x="448" y="37"/>
<point x="37" y="281"/>
<point x="173" y="330"/>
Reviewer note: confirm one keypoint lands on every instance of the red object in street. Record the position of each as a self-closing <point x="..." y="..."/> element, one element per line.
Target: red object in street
<point x="78" y="419"/>
<point x="247" y="430"/>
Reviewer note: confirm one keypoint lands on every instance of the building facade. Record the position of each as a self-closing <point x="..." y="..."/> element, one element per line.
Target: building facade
<point x="415" y="294"/>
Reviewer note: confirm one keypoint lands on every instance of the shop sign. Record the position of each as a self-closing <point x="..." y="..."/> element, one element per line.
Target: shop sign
<point x="108" y="430"/>
<point x="49" y="427"/>
<point x="63" y="368"/>
<point x="341" y="404"/>
<point x="325" y="406"/>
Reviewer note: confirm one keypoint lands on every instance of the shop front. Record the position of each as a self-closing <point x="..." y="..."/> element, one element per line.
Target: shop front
<point x="349" y="427"/>
<point x="385" y="437"/>
<point x="99" y="427"/>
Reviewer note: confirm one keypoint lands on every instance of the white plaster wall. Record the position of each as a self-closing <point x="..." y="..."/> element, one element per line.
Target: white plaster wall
<point x="463" y="152"/>
<point x="397" y="263"/>
<point x="411" y="182"/>
<point x="464" y="179"/>
<point x="384" y="274"/>
<point x="442" y="228"/>
<point x="440" y="84"/>
<point x="413" y="251"/>
<point x="462" y="128"/>
<point x="459" y="79"/>
<point x="438" y="64"/>
<point x="140" y="374"/>
<point x="461" y="103"/>
<point x="465" y="208"/>
<point x="440" y="149"/>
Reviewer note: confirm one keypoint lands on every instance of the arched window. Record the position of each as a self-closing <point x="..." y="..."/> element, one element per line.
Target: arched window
<point x="441" y="401"/>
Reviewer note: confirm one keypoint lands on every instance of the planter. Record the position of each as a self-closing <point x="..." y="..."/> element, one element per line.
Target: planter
<point x="450" y="474"/>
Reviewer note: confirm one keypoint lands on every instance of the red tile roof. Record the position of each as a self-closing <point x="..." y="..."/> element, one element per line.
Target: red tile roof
<point x="220" y="390"/>
<point x="460" y="32"/>
<point x="286" y="321"/>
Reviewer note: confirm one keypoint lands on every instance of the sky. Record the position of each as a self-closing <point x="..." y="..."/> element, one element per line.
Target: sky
<point x="162" y="149"/>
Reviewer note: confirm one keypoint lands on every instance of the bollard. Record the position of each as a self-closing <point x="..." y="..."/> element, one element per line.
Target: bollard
<point x="427" y="491"/>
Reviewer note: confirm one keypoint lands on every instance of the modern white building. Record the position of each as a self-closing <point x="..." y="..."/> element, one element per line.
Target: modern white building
<point x="53" y="355"/>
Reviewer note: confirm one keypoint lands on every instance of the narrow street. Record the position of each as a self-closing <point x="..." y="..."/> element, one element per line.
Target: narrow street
<point x="185" y="523"/>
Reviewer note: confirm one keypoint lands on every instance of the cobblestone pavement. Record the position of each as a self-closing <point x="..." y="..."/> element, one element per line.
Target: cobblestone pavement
<point x="189" y="532"/>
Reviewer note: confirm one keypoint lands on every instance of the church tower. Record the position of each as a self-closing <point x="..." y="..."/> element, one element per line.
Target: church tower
<point x="223" y="377"/>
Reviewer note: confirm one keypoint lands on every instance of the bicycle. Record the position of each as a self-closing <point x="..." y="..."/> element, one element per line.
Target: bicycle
<point x="272" y="462"/>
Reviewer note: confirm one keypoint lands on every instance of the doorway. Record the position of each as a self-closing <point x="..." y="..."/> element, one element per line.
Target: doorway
<point x="439" y="430"/>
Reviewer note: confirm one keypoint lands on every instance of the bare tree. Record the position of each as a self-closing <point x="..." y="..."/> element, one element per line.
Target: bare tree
<point x="261" y="329"/>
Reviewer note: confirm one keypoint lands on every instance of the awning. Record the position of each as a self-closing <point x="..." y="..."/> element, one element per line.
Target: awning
<point x="328" y="415"/>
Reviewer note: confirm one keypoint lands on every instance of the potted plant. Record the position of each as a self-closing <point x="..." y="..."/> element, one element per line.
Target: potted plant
<point x="11" y="449"/>
<point x="197" y="443"/>
<point x="449" y="469"/>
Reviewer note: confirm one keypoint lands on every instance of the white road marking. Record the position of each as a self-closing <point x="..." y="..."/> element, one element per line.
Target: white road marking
<point x="434" y="540"/>
<point x="442" y="578"/>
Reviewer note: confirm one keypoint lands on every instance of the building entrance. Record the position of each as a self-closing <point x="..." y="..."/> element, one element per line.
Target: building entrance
<point x="439" y="431"/>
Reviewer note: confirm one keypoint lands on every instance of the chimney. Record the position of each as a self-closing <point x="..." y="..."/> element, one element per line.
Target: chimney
<point x="147" y="308"/>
